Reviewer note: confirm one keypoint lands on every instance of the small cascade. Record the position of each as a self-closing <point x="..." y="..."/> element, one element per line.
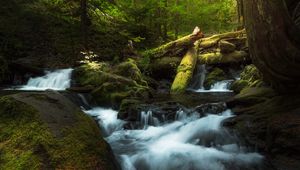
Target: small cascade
<point x="221" y="86"/>
<point x="146" y="118"/>
<point x="56" y="80"/>
<point x="199" y="77"/>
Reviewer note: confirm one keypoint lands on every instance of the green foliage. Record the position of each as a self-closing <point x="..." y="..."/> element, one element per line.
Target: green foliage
<point x="165" y="19"/>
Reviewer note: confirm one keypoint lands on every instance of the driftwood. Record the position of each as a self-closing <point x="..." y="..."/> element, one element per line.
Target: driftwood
<point x="177" y="47"/>
<point x="185" y="72"/>
<point x="213" y="40"/>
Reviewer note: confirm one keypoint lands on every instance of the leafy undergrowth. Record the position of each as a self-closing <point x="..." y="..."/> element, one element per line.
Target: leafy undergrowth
<point x="27" y="143"/>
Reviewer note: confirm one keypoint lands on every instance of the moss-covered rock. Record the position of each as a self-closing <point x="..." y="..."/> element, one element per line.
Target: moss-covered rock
<point x="46" y="131"/>
<point x="112" y="84"/>
<point x="130" y="70"/>
<point x="91" y="73"/>
<point x="214" y="76"/>
<point x="239" y="85"/>
<point x="250" y="77"/>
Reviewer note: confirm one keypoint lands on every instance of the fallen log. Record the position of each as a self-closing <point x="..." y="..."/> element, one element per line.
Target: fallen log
<point x="213" y="40"/>
<point x="177" y="47"/>
<point x="185" y="72"/>
<point x="220" y="58"/>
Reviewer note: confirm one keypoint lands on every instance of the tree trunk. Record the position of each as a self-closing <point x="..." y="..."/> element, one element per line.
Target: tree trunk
<point x="274" y="42"/>
<point x="84" y="22"/>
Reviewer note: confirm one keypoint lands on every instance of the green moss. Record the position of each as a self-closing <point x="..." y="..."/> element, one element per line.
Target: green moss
<point x="130" y="70"/>
<point x="239" y="85"/>
<point x="112" y="85"/>
<point x="250" y="77"/>
<point x="214" y="76"/>
<point x="27" y="143"/>
<point x="219" y="58"/>
<point x="91" y="73"/>
<point x="184" y="72"/>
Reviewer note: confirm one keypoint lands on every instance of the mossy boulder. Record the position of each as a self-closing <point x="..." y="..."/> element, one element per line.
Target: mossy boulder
<point x="110" y="85"/>
<point x="250" y="77"/>
<point x="130" y="70"/>
<point x="91" y="73"/>
<point x="214" y="76"/>
<point x="47" y="131"/>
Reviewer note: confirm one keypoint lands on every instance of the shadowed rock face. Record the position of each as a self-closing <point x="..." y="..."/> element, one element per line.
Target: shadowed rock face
<point x="49" y="131"/>
<point x="271" y="123"/>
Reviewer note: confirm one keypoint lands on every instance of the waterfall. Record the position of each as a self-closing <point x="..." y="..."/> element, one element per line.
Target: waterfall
<point x="199" y="77"/>
<point x="190" y="142"/>
<point x="56" y="80"/>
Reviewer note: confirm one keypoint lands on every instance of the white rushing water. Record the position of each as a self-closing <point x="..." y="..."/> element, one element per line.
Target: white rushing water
<point x="197" y="84"/>
<point x="56" y="80"/>
<point x="221" y="86"/>
<point x="189" y="143"/>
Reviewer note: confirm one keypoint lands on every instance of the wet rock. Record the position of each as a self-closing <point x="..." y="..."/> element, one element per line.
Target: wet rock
<point x="211" y="108"/>
<point x="131" y="109"/>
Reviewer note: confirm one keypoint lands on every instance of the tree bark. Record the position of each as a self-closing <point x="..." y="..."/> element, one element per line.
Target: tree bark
<point x="274" y="42"/>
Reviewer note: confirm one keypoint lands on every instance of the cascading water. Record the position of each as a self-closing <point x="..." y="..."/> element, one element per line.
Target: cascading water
<point x="56" y="80"/>
<point x="221" y="86"/>
<point x="197" y="84"/>
<point x="190" y="142"/>
<point x="199" y="77"/>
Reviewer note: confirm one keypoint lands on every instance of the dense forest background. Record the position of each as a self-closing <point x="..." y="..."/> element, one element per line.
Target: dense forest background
<point x="57" y="31"/>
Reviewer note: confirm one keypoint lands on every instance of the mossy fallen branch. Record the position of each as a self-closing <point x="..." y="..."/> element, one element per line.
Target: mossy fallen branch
<point x="185" y="72"/>
<point x="177" y="47"/>
<point x="219" y="58"/>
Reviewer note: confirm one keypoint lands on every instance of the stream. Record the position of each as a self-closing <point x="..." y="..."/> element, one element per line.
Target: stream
<point x="192" y="141"/>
